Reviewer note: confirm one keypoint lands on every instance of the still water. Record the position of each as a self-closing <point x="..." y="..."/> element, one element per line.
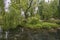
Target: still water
<point x="22" y="33"/>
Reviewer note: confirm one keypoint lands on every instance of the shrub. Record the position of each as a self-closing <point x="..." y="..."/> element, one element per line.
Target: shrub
<point x="33" y="26"/>
<point x="10" y="20"/>
<point x="54" y="21"/>
<point x="33" y="22"/>
<point x="49" y="25"/>
<point x="45" y="25"/>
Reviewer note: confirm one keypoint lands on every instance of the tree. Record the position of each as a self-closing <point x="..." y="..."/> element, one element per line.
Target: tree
<point x="2" y="10"/>
<point x="59" y="10"/>
<point x="40" y="9"/>
<point x="45" y="10"/>
<point x="48" y="10"/>
<point x="54" y="6"/>
<point x="11" y="18"/>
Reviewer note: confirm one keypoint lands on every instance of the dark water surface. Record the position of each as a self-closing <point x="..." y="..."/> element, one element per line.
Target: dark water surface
<point x="22" y="33"/>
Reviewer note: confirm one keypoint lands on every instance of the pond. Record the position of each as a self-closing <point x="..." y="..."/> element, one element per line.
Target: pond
<point x="22" y="33"/>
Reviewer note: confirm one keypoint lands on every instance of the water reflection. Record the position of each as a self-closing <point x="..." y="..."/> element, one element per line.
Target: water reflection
<point x="31" y="34"/>
<point x="0" y="32"/>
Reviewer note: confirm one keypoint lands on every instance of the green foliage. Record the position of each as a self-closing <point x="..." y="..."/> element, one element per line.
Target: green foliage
<point x="10" y="20"/>
<point x="46" y="11"/>
<point x="45" y="25"/>
<point x="34" y="19"/>
<point x="35" y="22"/>
<point x="30" y="20"/>
<point x="2" y="10"/>
<point x="49" y="25"/>
<point x="54" y="21"/>
<point x="54" y="6"/>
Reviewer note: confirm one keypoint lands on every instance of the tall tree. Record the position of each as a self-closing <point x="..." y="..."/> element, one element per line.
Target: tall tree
<point x="48" y="10"/>
<point x="54" y="6"/>
<point x="2" y="10"/>
<point x="59" y="10"/>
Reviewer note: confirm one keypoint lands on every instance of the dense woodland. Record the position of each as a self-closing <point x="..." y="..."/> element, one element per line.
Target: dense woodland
<point x="30" y="13"/>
